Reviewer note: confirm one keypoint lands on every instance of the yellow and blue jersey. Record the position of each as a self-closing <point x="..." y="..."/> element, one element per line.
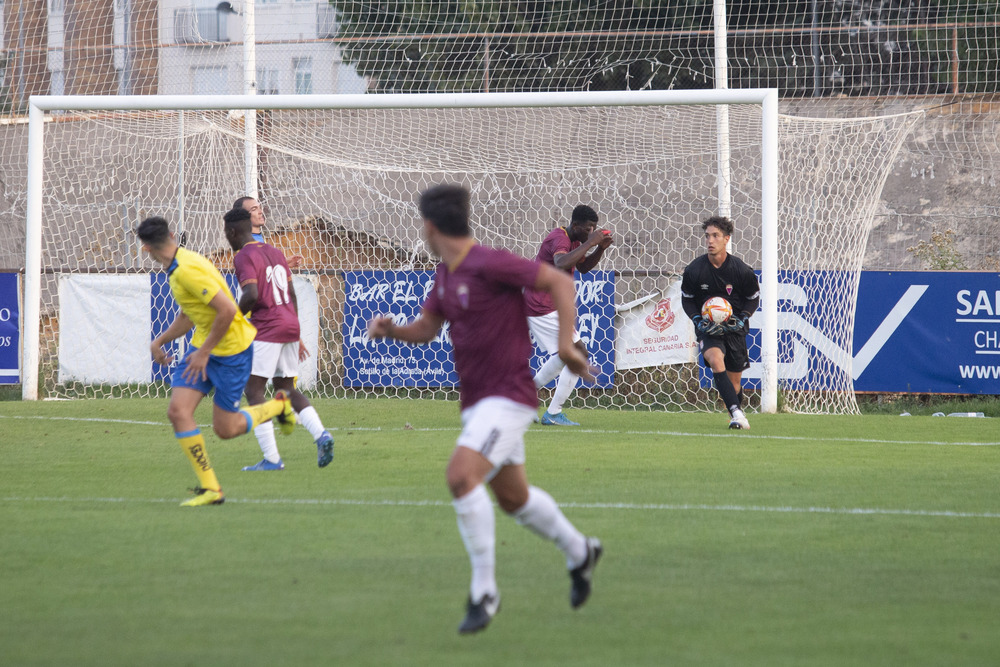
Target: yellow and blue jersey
<point x="194" y="282"/>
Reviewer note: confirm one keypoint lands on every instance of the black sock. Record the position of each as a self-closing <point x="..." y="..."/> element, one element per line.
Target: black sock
<point x="726" y="390"/>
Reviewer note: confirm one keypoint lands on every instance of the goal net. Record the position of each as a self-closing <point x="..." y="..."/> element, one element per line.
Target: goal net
<point x="338" y="178"/>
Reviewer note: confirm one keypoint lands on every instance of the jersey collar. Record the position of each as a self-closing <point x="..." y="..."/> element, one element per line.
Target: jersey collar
<point x="173" y="262"/>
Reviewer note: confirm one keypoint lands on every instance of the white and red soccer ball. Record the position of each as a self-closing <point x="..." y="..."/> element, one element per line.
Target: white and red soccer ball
<point x="717" y="309"/>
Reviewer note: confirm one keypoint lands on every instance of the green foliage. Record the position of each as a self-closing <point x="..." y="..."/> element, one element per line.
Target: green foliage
<point x="865" y="48"/>
<point x="505" y="46"/>
<point x="940" y="253"/>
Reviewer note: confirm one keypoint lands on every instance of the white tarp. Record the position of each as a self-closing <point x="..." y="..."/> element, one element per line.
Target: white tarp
<point x="655" y="331"/>
<point x="105" y="329"/>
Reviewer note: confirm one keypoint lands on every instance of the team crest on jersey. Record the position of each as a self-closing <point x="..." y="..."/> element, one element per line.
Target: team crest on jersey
<point x="662" y="316"/>
<point x="729" y="290"/>
<point x="463" y="295"/>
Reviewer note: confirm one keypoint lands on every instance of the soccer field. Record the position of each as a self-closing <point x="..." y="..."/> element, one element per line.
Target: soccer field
<point x="809" y="540"/>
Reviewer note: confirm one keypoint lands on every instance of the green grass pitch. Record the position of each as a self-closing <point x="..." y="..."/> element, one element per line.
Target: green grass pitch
<point x="809" y="540"/>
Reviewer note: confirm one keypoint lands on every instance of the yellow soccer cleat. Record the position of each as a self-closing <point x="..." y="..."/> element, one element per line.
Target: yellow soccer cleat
<point x="204" y="497"/>
<point x="286" y="420"/>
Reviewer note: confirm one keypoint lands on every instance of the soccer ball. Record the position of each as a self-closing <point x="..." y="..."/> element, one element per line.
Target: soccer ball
<point x="717" y="310"/>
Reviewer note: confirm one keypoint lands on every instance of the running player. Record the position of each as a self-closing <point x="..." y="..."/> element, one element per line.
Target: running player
<point x="268" y="297"/>
<point x="219" y="357"/>
<point x="478" y="290"/>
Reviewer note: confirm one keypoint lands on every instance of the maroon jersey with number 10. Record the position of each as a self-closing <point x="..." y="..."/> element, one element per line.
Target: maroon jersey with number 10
<point x="274" y="314"/>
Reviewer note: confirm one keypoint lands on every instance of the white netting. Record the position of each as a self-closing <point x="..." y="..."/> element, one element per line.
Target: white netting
<point x="339" y="188"/>
<point x="828" y="58"/>
<point x="806" y="48"/>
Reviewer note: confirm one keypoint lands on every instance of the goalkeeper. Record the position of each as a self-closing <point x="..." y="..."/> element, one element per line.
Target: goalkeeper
<point x="723" y="346"/>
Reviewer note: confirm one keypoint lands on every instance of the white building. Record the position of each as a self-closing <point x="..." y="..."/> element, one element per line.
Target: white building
<point x="202" y="50"/>
<point x="172" y="47"/>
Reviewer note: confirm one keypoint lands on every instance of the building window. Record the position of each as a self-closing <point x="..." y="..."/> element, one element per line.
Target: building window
<point x="57" y="6"/>
<point x="267" y="81"/>
<point x="303" y="75"/>
<point x="197" y="26"/>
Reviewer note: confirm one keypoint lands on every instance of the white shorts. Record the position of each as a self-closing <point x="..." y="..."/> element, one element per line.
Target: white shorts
<point x="545" y="330"/>
<point x="495" y="428"/>
<point x="275" y="360"/>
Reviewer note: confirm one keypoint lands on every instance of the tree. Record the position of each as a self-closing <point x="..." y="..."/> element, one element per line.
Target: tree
<point x="852" y="47"/>
<point x="520" y="45"/>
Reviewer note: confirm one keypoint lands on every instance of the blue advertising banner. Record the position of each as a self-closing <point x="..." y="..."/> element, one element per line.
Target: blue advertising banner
<point x="928" y="332"/>
<point x="389" y="363"/>
<point x="386" y="363"/>
<point x="595" y="316"/>
<point x="10" y="337"/>
<point x="914" y="331"/>
<point x="163" y="310"/>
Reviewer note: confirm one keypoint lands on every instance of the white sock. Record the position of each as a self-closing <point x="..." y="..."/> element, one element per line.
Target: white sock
<point x="476" y="524"/>
<point x="549" y="370"/>
<point x="309" y="418"/>
<point x="265" y="438"/>
<point x="543" y="517"/>
<point x="564" y="387"/>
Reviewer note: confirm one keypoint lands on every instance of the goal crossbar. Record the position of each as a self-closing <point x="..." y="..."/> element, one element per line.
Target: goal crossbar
<point x="767" y="99"/>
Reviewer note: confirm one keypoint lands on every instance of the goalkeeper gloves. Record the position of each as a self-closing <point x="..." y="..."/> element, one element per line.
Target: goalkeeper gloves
<point x="736" y="323"/>
<point x="704" y="327"/>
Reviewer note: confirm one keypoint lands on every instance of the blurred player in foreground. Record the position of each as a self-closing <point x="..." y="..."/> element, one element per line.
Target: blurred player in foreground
<point x="577" y="246"/>
<point x="479" y="292"/>
<point x="257" y="223"/>
<point x="219" y="357"/>
<point x="268" y="297"/>
<point x="723" y="346"/>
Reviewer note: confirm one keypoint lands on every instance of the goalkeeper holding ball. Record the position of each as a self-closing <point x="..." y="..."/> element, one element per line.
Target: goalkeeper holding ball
<point x="723" y="345"/>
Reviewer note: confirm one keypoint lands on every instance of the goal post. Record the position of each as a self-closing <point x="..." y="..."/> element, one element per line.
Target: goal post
<point x="765" y="176"/>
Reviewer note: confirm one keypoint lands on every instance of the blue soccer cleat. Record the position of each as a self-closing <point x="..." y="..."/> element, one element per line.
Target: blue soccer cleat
<point x="324" y="449"/>
<point x="264" y="464"/>
<point x="556" y="420"/>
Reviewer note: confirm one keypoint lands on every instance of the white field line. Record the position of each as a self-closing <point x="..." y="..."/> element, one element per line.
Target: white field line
<point x="555" y="431"/>
<point x="851" y="511"/>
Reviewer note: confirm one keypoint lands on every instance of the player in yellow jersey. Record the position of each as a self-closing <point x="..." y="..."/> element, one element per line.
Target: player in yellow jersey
<point x="220" y="356"/>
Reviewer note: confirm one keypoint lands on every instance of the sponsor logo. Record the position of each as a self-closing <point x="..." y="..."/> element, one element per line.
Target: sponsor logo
<point x="200" y="457"/>
<point x="662" y="317"/>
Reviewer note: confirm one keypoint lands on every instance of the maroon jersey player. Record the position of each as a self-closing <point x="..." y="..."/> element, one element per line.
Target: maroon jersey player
<point x="268" y="296"/>
<point x="478" y="291"/>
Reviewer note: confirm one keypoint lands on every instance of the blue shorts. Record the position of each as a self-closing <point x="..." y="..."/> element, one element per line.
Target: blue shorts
<point x="227" y="375"/>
